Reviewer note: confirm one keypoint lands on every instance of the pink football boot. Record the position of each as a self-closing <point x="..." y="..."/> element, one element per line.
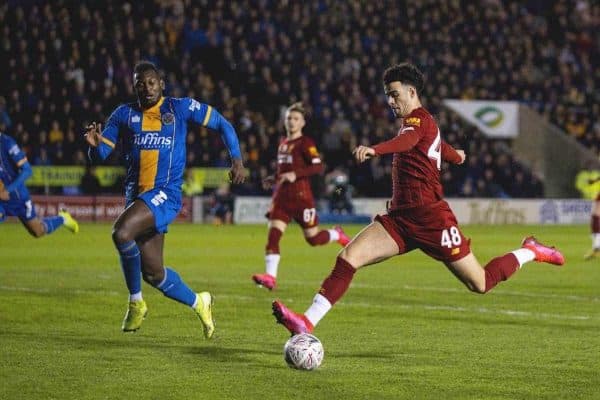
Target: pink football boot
<point x="265" y="280"/>
<point x="344" y="239"/>
<point x="295" y="323"/>
<point x="542" y="252"/>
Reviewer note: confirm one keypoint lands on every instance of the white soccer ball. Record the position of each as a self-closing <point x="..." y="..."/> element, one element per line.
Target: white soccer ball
<point x="303" y="351"/>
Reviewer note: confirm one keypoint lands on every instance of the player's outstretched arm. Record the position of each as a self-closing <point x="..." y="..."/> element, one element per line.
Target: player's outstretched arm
<point x="363" y="153"/>
<point x="93" y="134"/>
<point x="451" y="155"/>
<point x="237" y="174"/>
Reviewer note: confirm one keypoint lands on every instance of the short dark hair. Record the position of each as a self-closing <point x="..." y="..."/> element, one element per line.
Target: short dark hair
<point x="406" y="73"/>
<point x="144" y="66"/>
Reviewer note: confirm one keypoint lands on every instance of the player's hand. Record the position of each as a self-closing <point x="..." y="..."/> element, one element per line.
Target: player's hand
<point x="4" y="195"/>
<point x="268" y="182"/>
<point x="237" y="173"/>
<point x="463" y="156"/>
<point x="287" y="177"/>
<point x="93" y="134"/>
<point x="363" y="153"/>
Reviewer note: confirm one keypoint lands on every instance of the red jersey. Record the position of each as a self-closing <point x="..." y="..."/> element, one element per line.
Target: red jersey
<point x="299" y="155"/>
<point x="418" y="151"/>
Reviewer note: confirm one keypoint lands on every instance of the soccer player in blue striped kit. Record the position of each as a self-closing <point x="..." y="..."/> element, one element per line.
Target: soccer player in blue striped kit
<point x="14" y="196"/>
<point x="153" y="131"/>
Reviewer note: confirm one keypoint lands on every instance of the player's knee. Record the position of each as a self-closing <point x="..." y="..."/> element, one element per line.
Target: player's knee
<point x="345" y="255"/>
<point x="153" y="277"/>
<point x="37" y="233"/>
<point x="476" y="287"/>
<point x="120" y="235"/>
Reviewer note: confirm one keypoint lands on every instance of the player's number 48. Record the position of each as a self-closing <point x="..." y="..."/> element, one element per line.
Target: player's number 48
<point x="451" y="237"/>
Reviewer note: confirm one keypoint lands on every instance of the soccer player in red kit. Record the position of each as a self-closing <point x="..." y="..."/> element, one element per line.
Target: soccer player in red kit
<point x="417" y="217"/>
<point x="297" y="160"/>
<point x="595" y="225"/>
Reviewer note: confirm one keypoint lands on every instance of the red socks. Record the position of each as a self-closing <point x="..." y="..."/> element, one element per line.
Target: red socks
<point x="500" y="269"/>
<point x="273" y="241"/>
<point x="595" y="224"/>
<point x="319" y="239"/>
<point x="336" y="284"/>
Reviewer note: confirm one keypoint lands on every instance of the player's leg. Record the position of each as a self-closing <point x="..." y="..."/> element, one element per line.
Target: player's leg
<point x="133" y="221"/>
<point x="372" y="245"/>
<point x="169" y="282"/>
<point x="38" y="227"/>
<point x="483" y="279"/>
<point x="306" y="216"/>
<point x="595" y="228"/>
<point x="318" y="237"/>
<point x="277" y="226"/>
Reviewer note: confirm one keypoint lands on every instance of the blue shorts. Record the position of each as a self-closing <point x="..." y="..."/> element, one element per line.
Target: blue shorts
<point x="165" y="204"/>
<point x="23" y="209"/>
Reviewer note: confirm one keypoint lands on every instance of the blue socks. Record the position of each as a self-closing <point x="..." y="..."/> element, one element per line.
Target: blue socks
<point x="174" y="288"/>
<point x="53" y="223"/>
<point x="131" y="266"/>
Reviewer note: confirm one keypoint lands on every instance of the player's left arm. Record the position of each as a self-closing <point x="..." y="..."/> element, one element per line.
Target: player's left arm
<point x="20" y="160"/>
<point x="452" y="155"/>
<point x="210" y="118"/>
<point x="406" y="139"/>
<point x="314" y="164"/>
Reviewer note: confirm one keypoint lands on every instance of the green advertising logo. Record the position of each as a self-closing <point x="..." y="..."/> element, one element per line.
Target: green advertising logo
<point x="490" y="116"/>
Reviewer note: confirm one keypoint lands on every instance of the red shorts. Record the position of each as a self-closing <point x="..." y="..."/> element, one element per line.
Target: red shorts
<point x="432" y="228"/>
<point x="303" y="212"/>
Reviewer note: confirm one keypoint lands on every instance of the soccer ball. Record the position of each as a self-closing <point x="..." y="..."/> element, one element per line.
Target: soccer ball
<point x="303" y="351"/>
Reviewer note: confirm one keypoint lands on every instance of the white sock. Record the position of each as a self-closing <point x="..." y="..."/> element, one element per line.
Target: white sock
<point x="523" y="256"/>
<point x="271" y="264"/>
<point x="135" y="297"/>
<point x="333" y="235"/>
<point x="195" y="301"/>
<point x="317" y="310"/>
<point x="596" y="240"/>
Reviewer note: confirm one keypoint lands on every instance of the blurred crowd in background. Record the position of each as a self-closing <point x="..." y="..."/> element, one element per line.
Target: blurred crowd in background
<point x="67" y="63"/>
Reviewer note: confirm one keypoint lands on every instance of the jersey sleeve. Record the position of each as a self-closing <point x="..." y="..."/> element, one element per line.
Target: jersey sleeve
<point x="15" y="153"/>
<point x="312" y="158"/>
<point x="408" y="136"/>
<point x="449" y="154"/>
<point x="110" y="134"/>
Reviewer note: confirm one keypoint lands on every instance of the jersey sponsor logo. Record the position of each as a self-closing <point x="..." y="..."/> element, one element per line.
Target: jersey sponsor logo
<point x="416" y="121"/>
<point x="135" y="119"/>
<point x="167" y="118"/>
<point x="284" y="158"/>
<point x="152" y="140"/>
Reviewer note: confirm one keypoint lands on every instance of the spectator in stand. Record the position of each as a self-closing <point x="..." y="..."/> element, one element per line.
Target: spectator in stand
<point x="246" y="62"/>
<point x="90" y="184"/>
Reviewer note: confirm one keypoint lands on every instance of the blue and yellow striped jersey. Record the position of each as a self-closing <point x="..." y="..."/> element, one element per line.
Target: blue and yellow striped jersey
<point x="154" y="140"/>
<point x="12" y="159"/>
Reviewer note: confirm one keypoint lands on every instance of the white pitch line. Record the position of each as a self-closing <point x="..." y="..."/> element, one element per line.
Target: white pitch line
<point x="428" y="307"/>
<point x="496" y="292"/>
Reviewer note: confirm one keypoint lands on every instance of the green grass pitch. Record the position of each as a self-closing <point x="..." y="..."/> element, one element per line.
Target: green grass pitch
<point x="406" y="329"/>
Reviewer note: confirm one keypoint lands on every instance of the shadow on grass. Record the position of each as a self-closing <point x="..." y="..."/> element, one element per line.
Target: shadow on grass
<point x="135" y="343"/>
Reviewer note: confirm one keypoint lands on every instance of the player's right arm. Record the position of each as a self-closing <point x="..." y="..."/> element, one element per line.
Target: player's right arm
<point x="102" y="141"/>
<point x="19" y="159"/>
<point x="452" y="155"/>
